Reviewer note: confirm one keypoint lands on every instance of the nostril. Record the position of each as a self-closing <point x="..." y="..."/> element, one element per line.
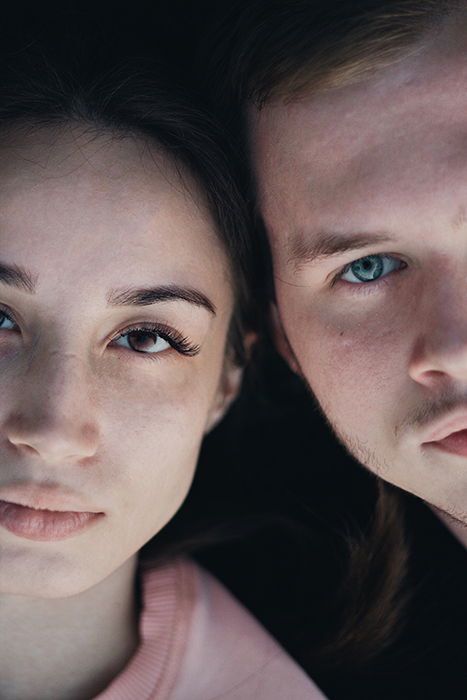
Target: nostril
<point x="52" y="437"/>
<point x="430" y="378"/>
<point x="15" y="429"/>
<point x="16" y="445"/>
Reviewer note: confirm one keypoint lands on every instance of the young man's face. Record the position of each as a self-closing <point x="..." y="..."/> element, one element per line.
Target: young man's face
<point x="364" y="193"/>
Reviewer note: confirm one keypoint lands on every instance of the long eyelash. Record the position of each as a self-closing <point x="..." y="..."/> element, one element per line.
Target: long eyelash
<point x="179" y="342"/>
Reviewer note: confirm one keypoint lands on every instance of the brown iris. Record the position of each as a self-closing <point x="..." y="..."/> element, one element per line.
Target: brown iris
<point x="142" y="341"/>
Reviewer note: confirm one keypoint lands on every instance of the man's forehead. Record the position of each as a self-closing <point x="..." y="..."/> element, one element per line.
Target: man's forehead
<point x="434" y="66"/>
<point x="362" y="138"/>
<point x="395" y="96"/>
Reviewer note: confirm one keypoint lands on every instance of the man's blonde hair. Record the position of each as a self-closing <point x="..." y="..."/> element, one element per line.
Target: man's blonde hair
<point x="282" y="49"/>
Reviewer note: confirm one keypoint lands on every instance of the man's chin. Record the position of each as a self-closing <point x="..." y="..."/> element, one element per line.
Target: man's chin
<point x="456" y="523"/>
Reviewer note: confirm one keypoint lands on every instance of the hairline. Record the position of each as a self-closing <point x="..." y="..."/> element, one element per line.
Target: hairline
<point x="303" y="81"/>
<point x="193" y="187"/>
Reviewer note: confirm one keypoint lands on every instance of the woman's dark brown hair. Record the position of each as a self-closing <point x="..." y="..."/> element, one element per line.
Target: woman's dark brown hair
<point x="40" y="87"/>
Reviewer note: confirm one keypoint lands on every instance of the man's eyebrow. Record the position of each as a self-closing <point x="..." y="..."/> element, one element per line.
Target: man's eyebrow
<point x="154" y="295"/>
<point x="308" y="249"/>
<point x="17" y="276"/>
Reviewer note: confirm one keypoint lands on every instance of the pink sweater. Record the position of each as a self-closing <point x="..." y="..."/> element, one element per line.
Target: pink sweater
<point x="199" y="643"/>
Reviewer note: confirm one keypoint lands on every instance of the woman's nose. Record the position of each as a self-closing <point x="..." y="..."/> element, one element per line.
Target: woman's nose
<point x="52" y="415"/>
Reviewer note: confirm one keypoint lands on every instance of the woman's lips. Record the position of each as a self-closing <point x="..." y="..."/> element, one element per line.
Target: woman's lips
<point x="44" y="525"/>
<point x="455" y="443"/>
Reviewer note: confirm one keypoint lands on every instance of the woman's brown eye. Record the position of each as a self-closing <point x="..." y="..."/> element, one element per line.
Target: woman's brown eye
<point x="147" y="342"/>
<point x="142" y="342"/>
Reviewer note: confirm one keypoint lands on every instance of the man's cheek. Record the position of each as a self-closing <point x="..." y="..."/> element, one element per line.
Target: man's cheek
<point x="356" y="363"/>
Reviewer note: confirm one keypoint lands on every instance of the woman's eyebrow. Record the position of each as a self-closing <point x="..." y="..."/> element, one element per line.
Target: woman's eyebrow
<point x="154" y="295"/>
<point x="305" y="250"/>
<point x="17" y="276"/>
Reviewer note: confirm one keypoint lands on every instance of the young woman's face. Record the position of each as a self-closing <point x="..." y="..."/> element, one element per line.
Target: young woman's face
<point x="115" y="302"/>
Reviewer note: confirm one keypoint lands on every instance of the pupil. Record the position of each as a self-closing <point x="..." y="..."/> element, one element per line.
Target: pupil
<point x="141" y="341"/>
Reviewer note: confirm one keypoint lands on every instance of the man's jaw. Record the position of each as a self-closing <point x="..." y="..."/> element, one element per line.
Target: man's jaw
<point x="434" y="419"/>
<point x="457" y="524"/>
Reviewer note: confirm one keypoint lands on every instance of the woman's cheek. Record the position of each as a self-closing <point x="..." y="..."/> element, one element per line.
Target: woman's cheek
<point x="167" y="396"/>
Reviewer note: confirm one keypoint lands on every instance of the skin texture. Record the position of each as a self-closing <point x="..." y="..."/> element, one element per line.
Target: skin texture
<point x="84" y="415"/>
<point x="384" y="162"/>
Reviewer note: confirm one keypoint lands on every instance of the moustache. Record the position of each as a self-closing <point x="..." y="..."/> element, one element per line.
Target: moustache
<point x="430" y="410"/>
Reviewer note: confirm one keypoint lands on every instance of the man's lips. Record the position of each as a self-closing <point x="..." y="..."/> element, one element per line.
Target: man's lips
<point x="455" y="443"/>
<point x="450" y="434"/>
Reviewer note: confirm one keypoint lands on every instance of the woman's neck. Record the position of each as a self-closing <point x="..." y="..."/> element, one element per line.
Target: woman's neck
<point x="68" y="647"/>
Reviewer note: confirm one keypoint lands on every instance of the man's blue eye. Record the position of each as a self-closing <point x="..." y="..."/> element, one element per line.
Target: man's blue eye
<point x="5" y="322"/>
<point x="370" y="268"/>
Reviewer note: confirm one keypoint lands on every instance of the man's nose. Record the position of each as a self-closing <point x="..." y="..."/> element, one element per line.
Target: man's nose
<point x="52" y="415"/>
<point x="439" y="354"/>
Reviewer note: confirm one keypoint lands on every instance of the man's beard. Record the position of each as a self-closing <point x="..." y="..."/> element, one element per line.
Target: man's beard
<point x="455" y="523"/>
<point x="424" y="414"/>
<point x="356" y="448"/>
<point x="453" y="518"/>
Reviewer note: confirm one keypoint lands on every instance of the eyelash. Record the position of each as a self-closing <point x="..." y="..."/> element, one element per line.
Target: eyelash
<point x="176" y="340"/>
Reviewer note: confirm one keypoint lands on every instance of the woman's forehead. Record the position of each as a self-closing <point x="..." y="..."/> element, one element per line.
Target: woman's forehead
<point x="76" y="201"/>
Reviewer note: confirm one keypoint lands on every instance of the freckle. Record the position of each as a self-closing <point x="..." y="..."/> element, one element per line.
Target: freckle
<point x="341" y="333"/>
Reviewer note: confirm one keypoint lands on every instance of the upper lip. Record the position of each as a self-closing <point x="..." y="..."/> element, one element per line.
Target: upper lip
<point x="453" y="422"/>
<point x="42" y="497"/>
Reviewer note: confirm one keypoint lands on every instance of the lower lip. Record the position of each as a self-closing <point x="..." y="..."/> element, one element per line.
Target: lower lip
<point x="455" y="443"/>
<point x="43" y="525"/>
